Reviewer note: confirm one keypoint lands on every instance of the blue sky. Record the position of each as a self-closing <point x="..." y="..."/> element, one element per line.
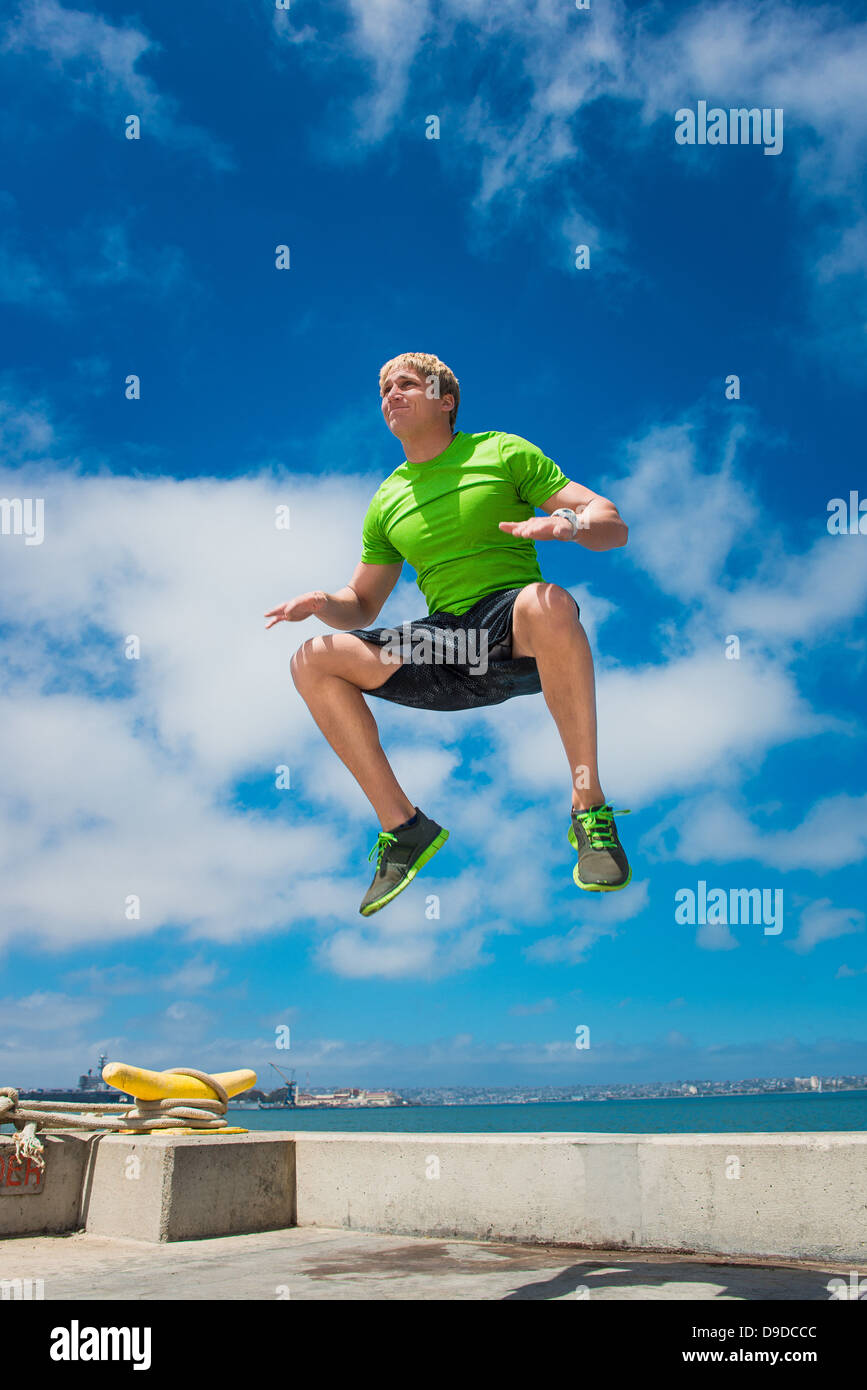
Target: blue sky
<point x="155" y="776"/>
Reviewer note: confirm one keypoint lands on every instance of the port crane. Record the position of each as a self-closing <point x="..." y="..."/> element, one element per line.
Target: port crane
<point x="291" y="1092"/>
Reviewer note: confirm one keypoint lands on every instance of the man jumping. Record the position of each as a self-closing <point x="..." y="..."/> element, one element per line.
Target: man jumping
<point x="460" y="510"/>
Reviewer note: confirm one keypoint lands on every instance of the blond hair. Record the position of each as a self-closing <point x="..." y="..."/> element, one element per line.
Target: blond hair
<point x="428" y="365"/>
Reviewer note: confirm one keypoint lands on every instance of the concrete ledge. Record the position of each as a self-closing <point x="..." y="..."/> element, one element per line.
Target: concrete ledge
<point x="787" y="1195"/>
<point x="159" y="1187"/>
<point x="57" y="1206"/>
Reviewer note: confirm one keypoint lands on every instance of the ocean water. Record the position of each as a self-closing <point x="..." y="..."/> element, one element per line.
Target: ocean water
<point x="768" y="1114"/>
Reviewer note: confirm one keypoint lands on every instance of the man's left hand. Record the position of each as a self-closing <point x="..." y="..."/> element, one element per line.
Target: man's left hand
<point x="540" y="528"/>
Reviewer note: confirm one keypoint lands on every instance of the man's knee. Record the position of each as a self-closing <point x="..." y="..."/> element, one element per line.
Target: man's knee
<point x="360" y="663"/>
<point x="549" y="603"/>
<point x="303" y="660"/>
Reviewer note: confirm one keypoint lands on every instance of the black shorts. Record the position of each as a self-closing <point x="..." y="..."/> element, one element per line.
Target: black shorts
<point x="457" y="661"/>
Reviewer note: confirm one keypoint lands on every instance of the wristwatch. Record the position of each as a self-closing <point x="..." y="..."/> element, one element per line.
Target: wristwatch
<point x="570" y="516"/>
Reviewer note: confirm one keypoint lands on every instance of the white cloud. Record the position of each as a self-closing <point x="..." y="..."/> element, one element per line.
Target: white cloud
<point x="527" y="132"/>
<point x="388" y="35"/>
<point x="352" y="954"/>
<point x="403" y="941"/>
<point x="810" y="596"/>
<point x="604" y="915"/>
<point x="111" y="980"/>
<point x="116" y="770"/>
<point x="100" y="62"/>
<point x="715" y="936"/>
<point x="23" y="282"/>
<point x="25" y="430"/>
<point x="283" y="25"/>
<point x="689" y="524"/>
<point x="104" y="257"/>
<point x="717" y="827"/>
<point x="193" y="976"/>
<point x="542" y="1006"/>
<point x="684" y="520"/>
<point x="46" y="1011"/>
<point x="663" y="729"/>
<point x="98" y="255"/>
<point x="822" y="921"/>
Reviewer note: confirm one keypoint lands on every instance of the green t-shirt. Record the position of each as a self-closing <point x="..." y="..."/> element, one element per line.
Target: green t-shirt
<point x="442" y="517"/>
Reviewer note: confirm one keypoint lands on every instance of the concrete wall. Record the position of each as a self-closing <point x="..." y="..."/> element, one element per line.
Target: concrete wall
<point x="788" y="1195"/>
<point x="56" y="1207"/>
<point x="796" y="1195"/>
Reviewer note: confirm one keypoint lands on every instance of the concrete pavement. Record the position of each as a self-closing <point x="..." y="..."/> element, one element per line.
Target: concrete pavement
<point x="303" y="1263"/>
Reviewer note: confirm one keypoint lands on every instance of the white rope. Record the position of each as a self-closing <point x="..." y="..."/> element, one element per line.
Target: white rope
<point x="145" y="1115"/>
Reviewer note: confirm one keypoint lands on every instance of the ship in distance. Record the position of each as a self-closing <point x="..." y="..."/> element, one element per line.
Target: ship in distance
<point x="91" y="1090"/>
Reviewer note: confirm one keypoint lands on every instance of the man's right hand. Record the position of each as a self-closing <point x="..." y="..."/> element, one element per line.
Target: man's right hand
<point x="305" y="606"/>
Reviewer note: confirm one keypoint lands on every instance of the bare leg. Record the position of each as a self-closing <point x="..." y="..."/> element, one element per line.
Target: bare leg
<point x="330" y="673"/>
<point x="545" y="625"/>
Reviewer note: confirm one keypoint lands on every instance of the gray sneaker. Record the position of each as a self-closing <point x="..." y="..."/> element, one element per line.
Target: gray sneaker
<point x="602" y="864"/>
<point x="399" y="856"/>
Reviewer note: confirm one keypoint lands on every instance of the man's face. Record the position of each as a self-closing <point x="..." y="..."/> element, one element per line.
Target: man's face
<point x="405" y="404"/>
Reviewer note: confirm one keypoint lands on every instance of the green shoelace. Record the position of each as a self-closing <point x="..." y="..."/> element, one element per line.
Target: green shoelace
<point x="598" y="825"/>
<point x="383" y="840"/>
